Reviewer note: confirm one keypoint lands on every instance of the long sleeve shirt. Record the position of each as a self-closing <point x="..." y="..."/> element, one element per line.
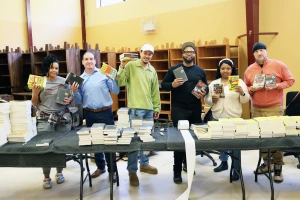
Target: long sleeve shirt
<point x="141" y="85"/>
<point x="268" y="98"/>
<point x="94" y="92"/>
<point x="182" y="96"/>
<point x="231" y="103"/>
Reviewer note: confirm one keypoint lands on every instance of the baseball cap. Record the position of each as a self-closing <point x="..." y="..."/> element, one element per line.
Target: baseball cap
<point x="147" y="47"/>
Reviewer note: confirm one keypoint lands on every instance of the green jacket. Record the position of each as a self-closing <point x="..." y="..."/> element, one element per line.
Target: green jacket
<point x="141" y="85"/>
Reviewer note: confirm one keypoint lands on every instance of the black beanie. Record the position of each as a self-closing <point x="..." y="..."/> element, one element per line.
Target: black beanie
<point x="258" y="45"/>
<point x="188" y="44"/>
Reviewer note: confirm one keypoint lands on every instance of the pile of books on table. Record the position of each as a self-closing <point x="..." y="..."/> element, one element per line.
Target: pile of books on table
<point x="241" y="130"/>
<point x="5" y="127"/>
<point x="126" y="136"/>
<point x="201" y="131"/>
<point x="215" y="129"/>
<point x="253" y="128"/>
<point x="290" y="124"/>
<point x="110" y="133"/>
<point x="23" y="126"/>
<point x="97" y="133"/>
<point x="136" y="123"/>
<point x="145" y="131"/>
<point x="84" y="136"/>
<point x="297" y="118"/>
<point x="123" y="118"/>
<point x="228" y="128"/>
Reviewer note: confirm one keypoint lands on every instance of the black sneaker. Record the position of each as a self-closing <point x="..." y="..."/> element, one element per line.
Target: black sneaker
<point x="177" y="177"/>
<point x="223" y="166"/>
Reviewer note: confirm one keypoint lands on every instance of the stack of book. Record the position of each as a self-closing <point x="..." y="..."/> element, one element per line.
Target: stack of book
<point x="215" y="129"/>
<point x="22" y="129"/>
<point x="265" y="126"/>
<point x="84" y="136"/>
<point x="37" y="80"/>
<point x="136" y="123"/>
<point x="97" y="133"/>
<point x="241" y="130"/>
<point x="297" y="118"/>
<point x="5" y="127"/>
<point x="290" y="124"/>
<point x="145" y="131"/>
<point x="202" y="133"/>
<point x="127" y="134"/>
<point x="110" y="134"/>
<point x="252" y="128"/>
<point x="108" y="71"/>
<point x="278" y="126"/>
<point x="128" y="56"/>
<point x="202" y="126"/>
<point x="228" y="128"/>
<point x="123" y="118"/>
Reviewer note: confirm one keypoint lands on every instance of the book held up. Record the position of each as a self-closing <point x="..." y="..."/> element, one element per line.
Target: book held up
<point x="108" y="70"/>
<point x="71" y="78"/>
<point x="198" y="88"/>
<point x="128" y="56"/>
<point x="270" y="81"/>
<point x="219" y="90"/>
<point x="37" y="80"/>
<point x="62" y="93"/>
<point x="232" y="82"/>
<point x="259" y="81"/>
<point x="179" y="73"/>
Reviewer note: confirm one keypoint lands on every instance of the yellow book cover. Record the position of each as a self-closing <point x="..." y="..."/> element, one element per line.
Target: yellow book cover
<point x="108" y="70"/>
<point x="38" y="80"/>
<point x="232" y="82"/>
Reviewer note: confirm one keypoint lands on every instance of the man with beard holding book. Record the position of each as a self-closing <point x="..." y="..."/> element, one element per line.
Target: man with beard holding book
<point x="268" y="101"/>
<point x="185" y="106"/>
<point x="94" y="95"/>
<point x="141" y="81"/>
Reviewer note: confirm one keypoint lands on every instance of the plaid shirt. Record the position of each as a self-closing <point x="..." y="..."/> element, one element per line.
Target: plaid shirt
<point x="55" y="118"/>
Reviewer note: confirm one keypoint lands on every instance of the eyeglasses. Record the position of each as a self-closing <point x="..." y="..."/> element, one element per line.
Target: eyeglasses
<point x="187" y="52"/>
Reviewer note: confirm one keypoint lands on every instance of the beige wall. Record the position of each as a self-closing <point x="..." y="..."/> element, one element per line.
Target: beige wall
<point x="13" y="24"/>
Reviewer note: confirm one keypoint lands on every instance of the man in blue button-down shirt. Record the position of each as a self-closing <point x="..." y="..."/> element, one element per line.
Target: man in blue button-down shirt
<point x="94" y="95"/>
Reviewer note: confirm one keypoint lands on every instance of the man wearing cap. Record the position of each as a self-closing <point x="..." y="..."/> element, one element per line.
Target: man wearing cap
<point x="185" y="106"/>
<point x="141" y="81"/>
<point x="268" y="101"/>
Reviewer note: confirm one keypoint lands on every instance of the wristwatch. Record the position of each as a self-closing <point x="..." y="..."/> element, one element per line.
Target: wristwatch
<point x="243" y="94"/>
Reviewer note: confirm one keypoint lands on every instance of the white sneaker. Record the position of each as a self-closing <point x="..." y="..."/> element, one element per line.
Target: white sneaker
<point x="59" y="177"/>
<point x="47" y="184"/>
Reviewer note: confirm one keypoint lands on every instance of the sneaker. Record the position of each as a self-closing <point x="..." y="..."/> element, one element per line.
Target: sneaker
<point x="278" y="177"/>
<point x="47" y="184"/>
<point x="133" y="179"/>
<point x="223" y="166"/>
<point x="263" y="168"/>
<point x="59" y="177"/>
<point x="177" y="177"/>
<point x="148" y="169"/>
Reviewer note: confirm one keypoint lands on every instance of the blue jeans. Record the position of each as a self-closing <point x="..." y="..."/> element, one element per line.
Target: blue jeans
<point x="235" y="153"/>
<point x="133" y="156"/>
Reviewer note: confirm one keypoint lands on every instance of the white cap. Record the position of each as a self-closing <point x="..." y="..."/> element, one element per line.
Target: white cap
<point x="147" y="47"/>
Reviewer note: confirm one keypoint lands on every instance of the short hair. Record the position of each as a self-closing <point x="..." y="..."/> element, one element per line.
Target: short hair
<point x="47" y="63"/>
<point x="88" y="52"/>
<point x="228" y="62"/>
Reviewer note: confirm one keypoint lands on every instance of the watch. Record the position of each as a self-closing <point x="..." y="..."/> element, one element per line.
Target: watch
<point x="243" y="94"/>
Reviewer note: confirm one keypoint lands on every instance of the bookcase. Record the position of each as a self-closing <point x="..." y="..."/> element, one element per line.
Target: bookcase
<point x="10" y="72"/>
<point x="110" y="59"/>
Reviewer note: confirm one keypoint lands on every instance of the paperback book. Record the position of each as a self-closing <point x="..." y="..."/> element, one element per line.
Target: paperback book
<point x="198" y="88"/>
<point x="71" y="78"/>
<point x="259" y="81"/>
<point x="38" y="80"/>
<point x="232" y="82"/>
<point x="179" y="73"/>
<point x="108" y="70"/>
<point x="219" y="90"/>
<point x="270" y="81"/>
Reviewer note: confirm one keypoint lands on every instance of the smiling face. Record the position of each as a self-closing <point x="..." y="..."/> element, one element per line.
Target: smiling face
<point x="53" y="71"/>
<point x="188" y="55"/>
<point x="89" y="62"/>
<point x="146" y="56"/>
<point x="225" y="70"/>
<point x="260" y="55"/>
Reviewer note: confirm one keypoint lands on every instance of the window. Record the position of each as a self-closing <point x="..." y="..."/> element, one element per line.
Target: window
<point x="101" y="3"/>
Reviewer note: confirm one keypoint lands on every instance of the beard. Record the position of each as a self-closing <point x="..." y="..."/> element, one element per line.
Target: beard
<point x="145" y="62"/>
<point x="188" y="61"/>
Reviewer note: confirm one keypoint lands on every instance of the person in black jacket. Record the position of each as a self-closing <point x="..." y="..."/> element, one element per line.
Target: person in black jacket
<point x="185" y="105"/>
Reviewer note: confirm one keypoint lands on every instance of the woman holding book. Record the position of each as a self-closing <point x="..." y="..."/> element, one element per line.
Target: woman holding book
<point x="52" y="115"/>
<point x="225" y="103"/>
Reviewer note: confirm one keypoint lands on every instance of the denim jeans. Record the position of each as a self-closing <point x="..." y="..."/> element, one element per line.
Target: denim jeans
<point x="133" y="156"/>
<point x="235" y="153"/>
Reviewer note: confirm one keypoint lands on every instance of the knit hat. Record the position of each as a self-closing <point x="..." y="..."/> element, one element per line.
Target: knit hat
<point x="258" y="45"/>
<point x="188" y="44"/>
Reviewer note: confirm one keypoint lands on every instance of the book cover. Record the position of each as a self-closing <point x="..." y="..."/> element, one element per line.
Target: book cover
<point x="259" y="81"/>
<point x="232" y="82"/>
<point x="44" y="142"/>
<point x="270" y="81"/>
<point x="38" y="80"/>
<point x="71" y="78"/>
<point x="179" y="73"/>
<point x="200" y="86"/>
<point x="219" y="90"/>
<point x="108" y="70"/>
<point x="62" y="93"/>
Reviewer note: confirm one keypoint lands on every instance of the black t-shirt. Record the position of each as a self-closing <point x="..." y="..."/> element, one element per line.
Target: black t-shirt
<point x="182" y="96"/>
